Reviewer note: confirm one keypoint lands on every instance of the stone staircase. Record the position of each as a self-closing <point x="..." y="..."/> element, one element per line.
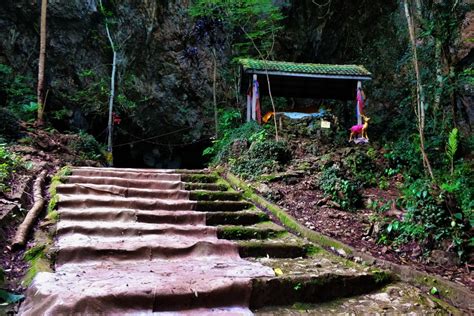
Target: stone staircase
<point x="132" y="241"/>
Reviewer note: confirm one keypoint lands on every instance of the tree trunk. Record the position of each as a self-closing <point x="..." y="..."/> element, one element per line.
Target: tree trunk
<point x="110" y="159"/>
<point x="420" y="97"/>
<point x="41" y="64"/>
<point x="214" y="93"/>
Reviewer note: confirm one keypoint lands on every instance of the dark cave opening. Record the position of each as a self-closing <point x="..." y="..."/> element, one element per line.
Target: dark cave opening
<point x="161" y="156"/>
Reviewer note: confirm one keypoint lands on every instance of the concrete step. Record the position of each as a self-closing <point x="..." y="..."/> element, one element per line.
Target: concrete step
<point x="206" y="186"/>
<point x="107" y="214"/>
<point x="246" y="217"/>
<point x="94" y="228"/>
<point x="128" y="183"/>
<point x="75" y="248"/>
<point x="262" y="230"/>
<point x="148" y="286"/>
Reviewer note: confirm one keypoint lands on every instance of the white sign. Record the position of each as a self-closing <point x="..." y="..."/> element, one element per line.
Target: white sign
<point x="325" y="124"/>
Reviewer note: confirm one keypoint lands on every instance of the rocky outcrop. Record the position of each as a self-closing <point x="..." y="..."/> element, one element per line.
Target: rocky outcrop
<point x="157" y="79"/>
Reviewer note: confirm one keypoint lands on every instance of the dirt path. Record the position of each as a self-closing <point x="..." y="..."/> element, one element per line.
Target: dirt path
<point x="126" y="249"/>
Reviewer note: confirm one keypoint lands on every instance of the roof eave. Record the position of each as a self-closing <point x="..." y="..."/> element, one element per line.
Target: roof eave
<point x="306" y="75"/>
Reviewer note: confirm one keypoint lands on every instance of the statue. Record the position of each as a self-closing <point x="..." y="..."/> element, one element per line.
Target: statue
<point x="360" y="129"/>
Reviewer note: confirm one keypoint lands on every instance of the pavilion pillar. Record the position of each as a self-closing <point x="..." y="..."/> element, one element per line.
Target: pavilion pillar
<point x="249" y="103"/>
<point x="359" y="118"/>
<point x="254" y="98"/>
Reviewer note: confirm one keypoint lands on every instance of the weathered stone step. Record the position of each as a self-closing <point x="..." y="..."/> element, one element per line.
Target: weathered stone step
<point x="394" y="299"/>
<point x="258" y="231"/>
<point x="119" y="191"/>
<point x="76" y="248"/>
<point x="165" y="176"/>
<point x="177" y="171"/>
<point x="131" y="215"/>
<point x="222" y="206"/>
<point x="128" y="183"/>
<point x="246" y="217"/>
<point x="89" y="201"/>
<point x="147" y="286"/>
<point x="274" y="248"/>
<point x="311" y="289"/>
<point x="199" y="178"/>
<point x="106" y="229"/>
<point x="202" y="195"/>
<point x="205" y="186"/>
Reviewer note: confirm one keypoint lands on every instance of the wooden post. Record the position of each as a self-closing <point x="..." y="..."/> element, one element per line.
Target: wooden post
<point x="359" y="118"/>
<point x="249" y="104"/>
<point x="254" y="98"/>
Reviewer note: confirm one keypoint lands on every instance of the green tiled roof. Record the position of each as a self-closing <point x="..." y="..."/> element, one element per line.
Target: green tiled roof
<point x="313" y="69"/>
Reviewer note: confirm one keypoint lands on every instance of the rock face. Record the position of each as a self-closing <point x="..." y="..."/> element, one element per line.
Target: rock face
<point x="166" y="87"/>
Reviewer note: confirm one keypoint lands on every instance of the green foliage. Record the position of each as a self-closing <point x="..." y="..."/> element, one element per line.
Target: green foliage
<point x="362" y="168"/>
<point x="262" y="157"/>
<point x="342" y="191"/>
<point x="87" y="147"/>
<point x="431" y="218"/>
<point x="9" y="125"/>
<point x="252" y="23"/>
<point x="452" y="147"/>
<point x="232" y="130"/>
<point x="21" y="98"/>
<point x="9" y="164"/>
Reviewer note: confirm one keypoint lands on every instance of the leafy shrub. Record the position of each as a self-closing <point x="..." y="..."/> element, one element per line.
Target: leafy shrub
<point x="9" y="164"/>
<point x="262" y="157"/>
<point x="342" y="191"/>
<point x="9" y="126"/>
<point x="432" y="216"/>
<point x="221" y="148"/>
<point x="87" y="146"/>
<point x="363" y="168"/>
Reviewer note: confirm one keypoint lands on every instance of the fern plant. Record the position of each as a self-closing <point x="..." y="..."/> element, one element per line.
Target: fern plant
<point x="452" y="147"/>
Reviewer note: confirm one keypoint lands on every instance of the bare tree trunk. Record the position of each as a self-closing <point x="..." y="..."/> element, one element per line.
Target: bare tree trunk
<point x="110" y="156"/>
<point x="420" y="96"/>
<point x="41" y="64"/>
<point x="214" y="92"/>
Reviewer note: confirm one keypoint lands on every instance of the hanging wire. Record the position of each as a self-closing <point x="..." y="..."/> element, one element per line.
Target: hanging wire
<point x="149" y="139"/>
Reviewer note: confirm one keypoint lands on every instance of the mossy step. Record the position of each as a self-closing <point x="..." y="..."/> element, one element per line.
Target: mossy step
<point x="258" y="231"/>
<point x="247" y="217"/>
<point x="312" y="289"/>
<point x="276" y="248"/>
<point x="205" y="186"/>
<point x="215" y="196"/>
<point x="222" y="206"/>
<point x="199" y="178"/>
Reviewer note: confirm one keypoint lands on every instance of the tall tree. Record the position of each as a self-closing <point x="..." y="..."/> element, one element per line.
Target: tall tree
<point x="41" y="64"/>
<point x="110" y="124"/>
<point x="420" y="94"/>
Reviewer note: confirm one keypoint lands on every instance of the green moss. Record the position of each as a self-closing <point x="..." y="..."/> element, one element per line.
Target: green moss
<point x="37" y="259"/>
<point x="53" y="202"/>
<point x="259" y="231"/>
<point x="382" y="277"/>
<point x="59" y="178"/>
<point x="53" y="215"/>
<point x="312" y="250"/>
<point x="34" y="253"/>
<point x="214" y="196"/>
<point x="199" y="178"/>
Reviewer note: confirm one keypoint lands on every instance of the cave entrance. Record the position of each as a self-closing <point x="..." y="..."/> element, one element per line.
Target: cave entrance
<point x="144" y="155"/>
